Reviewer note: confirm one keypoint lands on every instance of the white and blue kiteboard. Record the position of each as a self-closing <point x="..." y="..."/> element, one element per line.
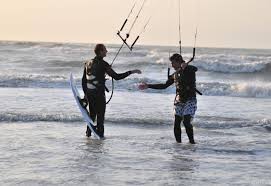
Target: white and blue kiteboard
<point x="83" y="110"/>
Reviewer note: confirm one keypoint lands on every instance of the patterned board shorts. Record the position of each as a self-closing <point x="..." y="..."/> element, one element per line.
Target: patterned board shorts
<point x="187" y="108"/>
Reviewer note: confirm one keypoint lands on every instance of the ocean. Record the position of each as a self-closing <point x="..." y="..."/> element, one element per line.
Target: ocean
<point x="42" y="133"/>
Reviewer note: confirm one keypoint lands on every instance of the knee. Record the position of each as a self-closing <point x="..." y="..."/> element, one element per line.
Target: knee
<point x="177" y="127"/>
<point x="187" y="121"/>
<point x="177" y="122"/>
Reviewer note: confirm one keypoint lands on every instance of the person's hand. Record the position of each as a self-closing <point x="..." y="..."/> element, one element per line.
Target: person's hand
<point x="184" y="65"/>
<point x="136" y="71"/>
<point x="143" y="86"/>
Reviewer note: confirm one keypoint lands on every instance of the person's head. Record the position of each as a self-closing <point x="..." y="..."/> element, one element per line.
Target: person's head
<point x="176" y="61"/>
<point x="100" y="50"/>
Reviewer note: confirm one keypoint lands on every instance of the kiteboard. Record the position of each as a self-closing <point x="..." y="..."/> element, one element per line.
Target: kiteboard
<point x="83" y="110"/>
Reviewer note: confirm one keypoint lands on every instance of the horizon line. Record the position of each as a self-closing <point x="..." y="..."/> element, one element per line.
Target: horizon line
<point x="147" y="45"/>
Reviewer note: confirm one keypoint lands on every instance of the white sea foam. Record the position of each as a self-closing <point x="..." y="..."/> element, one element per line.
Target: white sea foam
<point x="241" y="89"/>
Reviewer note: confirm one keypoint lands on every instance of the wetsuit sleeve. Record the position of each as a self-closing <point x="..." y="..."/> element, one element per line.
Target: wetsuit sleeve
<point x="169" y="82"/>
<point x="84" y="81"/>
<point x="115" y="75"/>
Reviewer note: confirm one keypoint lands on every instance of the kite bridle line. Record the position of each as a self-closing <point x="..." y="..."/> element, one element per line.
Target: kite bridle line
<point x="124" y="40"/>
<point x="180" y="39"/>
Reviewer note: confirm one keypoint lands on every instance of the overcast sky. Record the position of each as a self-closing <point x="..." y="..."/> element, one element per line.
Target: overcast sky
<point x="221" y="23"/>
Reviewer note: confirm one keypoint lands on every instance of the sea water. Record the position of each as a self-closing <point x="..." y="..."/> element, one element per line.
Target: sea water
<point x="42" y="134"/>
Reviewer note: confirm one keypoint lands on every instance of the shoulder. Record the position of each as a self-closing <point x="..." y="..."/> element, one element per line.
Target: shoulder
<point x="105" y="64"/>
<point x="191" y="68"/>
<point x="100" y="62"/>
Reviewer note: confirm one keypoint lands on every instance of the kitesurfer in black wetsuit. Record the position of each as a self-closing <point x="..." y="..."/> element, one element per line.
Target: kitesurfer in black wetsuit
<point x="185" y="104"/>
<point x="93" y="83"/>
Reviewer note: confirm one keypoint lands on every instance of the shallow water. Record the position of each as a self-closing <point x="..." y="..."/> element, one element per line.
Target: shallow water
<point x="58" y="153"/>
<point x="43" y="142"/>
<point x="42" y="138"/>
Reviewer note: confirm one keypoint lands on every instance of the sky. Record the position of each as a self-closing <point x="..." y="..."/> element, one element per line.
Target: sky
<point x="221" y="23"/>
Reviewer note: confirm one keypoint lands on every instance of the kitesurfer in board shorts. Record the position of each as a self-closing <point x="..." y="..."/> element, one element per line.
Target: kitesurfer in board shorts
<point x="185" y="103"/>
<point x="93" y="83"/>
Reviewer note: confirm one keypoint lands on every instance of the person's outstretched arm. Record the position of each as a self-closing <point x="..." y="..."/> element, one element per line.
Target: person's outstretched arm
<point x="120" y="76"/>
<point x="169" y="82"/>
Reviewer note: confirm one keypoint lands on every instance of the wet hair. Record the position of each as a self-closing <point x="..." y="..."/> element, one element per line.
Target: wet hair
<point x="99" y="48"/>
<point x="176" y="57"/>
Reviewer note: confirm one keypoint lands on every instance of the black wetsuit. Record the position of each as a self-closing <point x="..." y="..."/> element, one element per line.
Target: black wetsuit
<point x="185" y="82"/>
<point x="96" y="96"/>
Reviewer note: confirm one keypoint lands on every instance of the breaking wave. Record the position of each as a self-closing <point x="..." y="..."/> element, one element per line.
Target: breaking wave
<point x="27" y="80"/>
<point x="240" y="89"/>
<point x="234" y="67"/>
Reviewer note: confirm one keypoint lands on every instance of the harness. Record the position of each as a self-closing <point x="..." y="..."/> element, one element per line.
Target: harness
<point x="93" y="82"/>
<point x="183" y="91"/>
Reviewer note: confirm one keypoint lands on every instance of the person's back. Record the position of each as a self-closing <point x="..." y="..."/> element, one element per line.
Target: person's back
<point x="185" y="82"/>
<point x="98" y="68"/>
<point x="95" y="71"/>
